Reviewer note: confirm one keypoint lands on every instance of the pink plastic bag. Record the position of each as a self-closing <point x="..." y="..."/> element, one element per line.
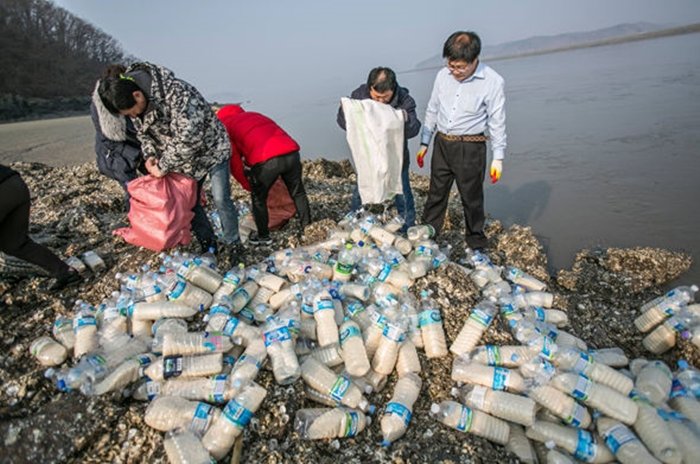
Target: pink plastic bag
<point x="160" y="212"/>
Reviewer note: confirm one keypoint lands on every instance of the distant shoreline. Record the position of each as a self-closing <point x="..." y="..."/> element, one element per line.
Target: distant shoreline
<point x="681" y="30"/>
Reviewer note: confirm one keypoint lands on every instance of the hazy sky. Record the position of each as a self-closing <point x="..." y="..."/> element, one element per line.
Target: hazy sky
<point x="244" y="47"/>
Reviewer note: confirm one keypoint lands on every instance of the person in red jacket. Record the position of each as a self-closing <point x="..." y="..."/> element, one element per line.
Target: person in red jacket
<point x="263" y="150"/>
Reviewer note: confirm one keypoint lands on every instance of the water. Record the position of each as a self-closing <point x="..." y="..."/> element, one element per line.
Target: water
<point x="602" y="144"/>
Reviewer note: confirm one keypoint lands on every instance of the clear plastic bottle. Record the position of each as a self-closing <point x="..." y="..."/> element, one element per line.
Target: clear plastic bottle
<point x="321" y="378"/>
<point x="407" y="360"/>
<point x="373" y="334"/>
<point x="243" y="294"/>
<point x="171" y="412"/>
<point x="501" y="356"/>
<point x="520" y="445"/>
<point x="329" y="355"/>
<point x="384" y="359"/>
<point x="431" y="328"/>
<point x="613" y="357"/>
<point x="217" y="389"/>
<point x="660" y="308"/>
<point x="345" y="264"/>
<point x="230" y="282"/>
<point x="654" y="380"/>
<point x="562" y="405"/>
<point x="684" y="402"/>
<point x="519" y="277"/>
<point x="93" y="261"/>
<point x="48" y="351"/>
<point x="580" y="443"/>
<point x="324" y="315"/>
<point x="384" y="272"/>
<point x="479" y="320"/>
<point x="63" y="332"/>
<point x="572" y="359"/>
<point x="160" y="309"/>
<point x="656" y="435"/>
<point x="624" y="444"/>
<point x="76" y="263"/>
<point x="399" y="410"/>
<point x="420" y="233"/>
<point x="354" y="290"/>
<point x="663" y="337"/>
<point x="126" y="373"/>
<point x="184" y="447"/>
<point x="280" y="348"/>
<point x="498" y="378"/>
<point x="184" y="292"/>
<point x="185" y="366"/>
<point x="165" y="326"/>
<point x="195" y="271"/>
<point x="267" y="280"/>
<point x="687" y="439"/>
<point x="608" y="401"/>
<point x="85" y="330"/>
<point x="324" y="423"/>
<point x="467" y="420"/>
<point x="689" y="377"/>
<point x="235" y="417"/>
<point x="550" y="316"/>
<point x="191" y="343"/>
<point x="513" y="408"/>
<point x="353" y="349"/>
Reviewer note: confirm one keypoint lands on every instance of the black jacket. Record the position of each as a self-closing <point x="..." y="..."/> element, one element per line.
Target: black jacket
<point x="6" y="173"/>
<point x="401" y="100"/>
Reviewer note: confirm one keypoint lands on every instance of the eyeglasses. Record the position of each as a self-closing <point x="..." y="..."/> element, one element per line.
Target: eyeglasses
<point x="458" y="69"/>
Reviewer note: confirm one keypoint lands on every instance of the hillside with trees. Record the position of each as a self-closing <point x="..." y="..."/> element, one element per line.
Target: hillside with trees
<point x="50" y="59"/>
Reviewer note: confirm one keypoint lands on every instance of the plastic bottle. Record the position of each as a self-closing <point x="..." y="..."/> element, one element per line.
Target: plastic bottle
<point x="608" y="401"/>
<point x="407" y="360"/>
<point x="328" y="355"/>
<point x="323" y="423"/>
<point x="571" y="359"/>
<point x="432" y="331"/>
<point x="663" y="337"/>
<point x="399" y="410"/>
<point x="467" y="420"/>
<point x="192" y="343"/>
<point x="353" y="290"/>
<point x="580" y="443"/>
<point x="160" y="309"/>
<point x="280" y="348"/>
<point x="266" y="280"/>
<point x="653" y="380"/>
<point x="513" y="408"/>
<point x="519" y="277"/>
<point x="196" y="272"/>
<point x="684" y="402"/>
<point x="420" y="233"/>
<point x="353" y="349"/>
<point x="520" y="445"/>
<point x="687" y="440"/>
<point x="383" y="272"/>
<point x="126" y="373"/>
<point x="230" y="282"/>
<point x="85" y="331"/>
<point x="76" y="263"/>
<point x="501" y="356"/>
<point x="243" y="294"/>
<point x="659" y="309"/>
<point x="184" y="447"/>
<point x="613" y="357"/>
<point x="342" y="271"/>
<point x="167" y="413"/>
<point x="656" y="435"/>
<point x="62" y="331"/>
<point x="479" y="320"/>
<point x="324" y="315"/>
<point x="561" y="405"/>
<point x="216" y="389"/>
<point x="48" y="351"/>
<point x="185" y="366"/>
<point x="234" y="418"/>
<point x="624" y="444"/>
<point x="93" y="261"/>
<point x="498" y="378"/>
<point x="550" y="316"/>
<point x="184" y="292"/>
<point x="689" y="377"/>
<point x="165" y="326"/>
<point x="384" y="359"/>
<point x="340" y="388"/>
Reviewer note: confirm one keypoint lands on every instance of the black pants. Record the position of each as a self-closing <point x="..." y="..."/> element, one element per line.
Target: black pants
<point x="14" y="225"/>
<point x="263" y="175"/>
<point x="201" y="225"/>
<point x="466" y="163"/>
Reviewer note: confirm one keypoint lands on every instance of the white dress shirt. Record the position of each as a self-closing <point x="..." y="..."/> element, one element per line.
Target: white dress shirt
<point x="469" y="107"/>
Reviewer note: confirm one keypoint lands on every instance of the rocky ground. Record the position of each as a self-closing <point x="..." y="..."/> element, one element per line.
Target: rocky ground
<point x="74" y="210"/>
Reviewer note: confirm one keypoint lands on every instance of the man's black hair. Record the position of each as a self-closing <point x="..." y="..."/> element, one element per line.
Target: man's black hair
<point x="462" y="45"/>
<point x="382" y="80"/>
<point x="117" y="93"/>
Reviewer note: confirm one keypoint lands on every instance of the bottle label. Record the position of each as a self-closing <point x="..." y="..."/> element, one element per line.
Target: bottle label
<point x="422" y="250"/>
<point x="583" y="363"/>
<point x="218" y="388"/>
<point x="152" y="389"/>
<point x="323" y="305"/>
<point x="575" y="418"/>
<point x="677" y="389"/>
<point x="143" y="360"/>
<point x="97" y="361"/>
<point x="354" y="308"/>
<point x="236" y="414"/>
<point x="247" y="359"/>
<point x="478" y="397"/>
<point x="219" y="309"/>
<point x="307" y="308"/>
<point x="176" y="292"/>
<point x="439" y="260"/>
<point x="400" y="410"/>
<point x="481" y="316"/>
<point x="61" y="323"/>
<point x="580" y="391"/>
<point x="500" y="378"/>
<point x="339" y="388"/>
<point x="585" y="447"/>
<point x="618" y="436"/>
<point x="172" y="366"/>
<point x="546" y="351"/>
<point x="241" y="293"/>
<point x="508" y="310"/>
<point x="333" y="292"/>
<point x="278" y="335"/>
<point x="465" y="420"/>
<point x="384" y="273"/>
<point x="351" y="331"/>
<point x="352" y="423"/>
<point x="83" y="321"/>
<point x="540" y="315"/>
<point x="379" y="320"/>
<point x="429" y="317"/>
<point x="231" y="325"/>
<point x="669" y="311"/>
<point x="393" y="333"/>
<point x="201" y="418"/>
<point x="493" y="355"/>
<point x="232" y="279"/>
<point x="213" y="343"/>
<point x="343" y="268"/>
<point x="247" y="314"/>
<point x="514" y="273"/>
<point x="668" y="415"/>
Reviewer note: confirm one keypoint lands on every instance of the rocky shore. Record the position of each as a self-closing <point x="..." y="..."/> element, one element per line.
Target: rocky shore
<point x="74" y="209"/>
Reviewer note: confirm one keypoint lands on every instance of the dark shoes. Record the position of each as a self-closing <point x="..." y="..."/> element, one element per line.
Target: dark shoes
<point x="237" y="252"/>
<point x="65" y="280"/>
<point x="254" y="239"/>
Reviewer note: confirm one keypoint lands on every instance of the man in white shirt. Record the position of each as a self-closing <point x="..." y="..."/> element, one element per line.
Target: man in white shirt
<point x="467" y="101"/>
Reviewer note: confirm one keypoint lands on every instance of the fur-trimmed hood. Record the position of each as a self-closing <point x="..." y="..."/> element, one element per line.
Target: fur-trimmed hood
<point x="112" y="126"/>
